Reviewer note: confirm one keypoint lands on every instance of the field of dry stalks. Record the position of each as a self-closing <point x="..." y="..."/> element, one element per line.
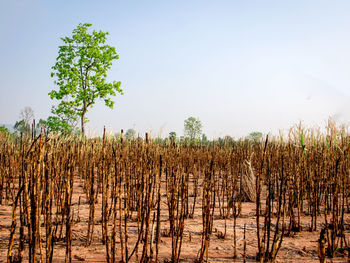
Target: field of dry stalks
<point x="108" y="200"/>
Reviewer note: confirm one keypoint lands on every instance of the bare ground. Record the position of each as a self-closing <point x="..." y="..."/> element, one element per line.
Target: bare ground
<point x="299" y="247"/>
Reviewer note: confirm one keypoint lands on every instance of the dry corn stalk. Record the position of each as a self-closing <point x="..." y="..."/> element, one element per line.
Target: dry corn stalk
<point x="248" y="183"/>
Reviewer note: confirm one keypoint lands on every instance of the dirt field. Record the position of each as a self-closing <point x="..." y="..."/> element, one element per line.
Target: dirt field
<point x="299" y="247"/>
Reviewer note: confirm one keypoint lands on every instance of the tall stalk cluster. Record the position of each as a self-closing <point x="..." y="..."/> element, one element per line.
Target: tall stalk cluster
<point x="149" y="191"/>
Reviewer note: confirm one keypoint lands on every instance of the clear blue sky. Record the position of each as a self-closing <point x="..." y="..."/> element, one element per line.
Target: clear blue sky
<point x="239" y="66"/>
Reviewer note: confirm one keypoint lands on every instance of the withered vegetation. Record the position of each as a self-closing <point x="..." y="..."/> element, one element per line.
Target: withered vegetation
<point x="125" y="182"/>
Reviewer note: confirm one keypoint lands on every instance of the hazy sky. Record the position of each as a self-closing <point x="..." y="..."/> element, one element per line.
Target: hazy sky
<point x="239" y="66"/>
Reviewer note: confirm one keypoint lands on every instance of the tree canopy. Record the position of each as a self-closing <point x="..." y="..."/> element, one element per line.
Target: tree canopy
<point x="192" y="128"/>
<point x="80" y="73"/>
<point x="4" y="130"/>
<point x="130" y="134"/>
<point x="255" y="136"/>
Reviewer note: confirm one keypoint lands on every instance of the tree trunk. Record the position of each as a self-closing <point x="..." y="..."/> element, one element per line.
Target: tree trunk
<point x="82" y="124"/>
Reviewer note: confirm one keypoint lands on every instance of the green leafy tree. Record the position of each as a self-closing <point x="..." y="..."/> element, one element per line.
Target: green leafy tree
<point x="80" y="73"/>
<point x="22" y="127"/>
<point x="193" y="129"/>
<point x="130" y="134"/>
<point x="4" y="130"/>
<point x="255" y="136"/>
<point x="62" y="122"/>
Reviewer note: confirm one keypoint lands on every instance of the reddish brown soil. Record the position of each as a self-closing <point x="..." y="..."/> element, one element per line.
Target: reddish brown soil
<point x="301" y="247"/>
